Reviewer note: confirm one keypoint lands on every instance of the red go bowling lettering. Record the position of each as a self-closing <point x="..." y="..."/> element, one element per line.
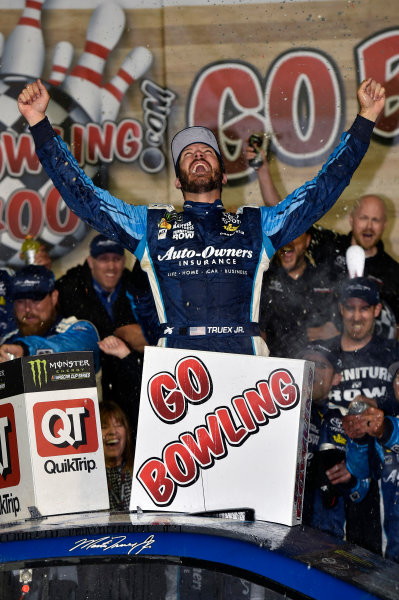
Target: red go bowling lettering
<point x="224" y="88"/>
<point x="303" y="106"/>
<point x="284" y="389"/>
<point x="168" y="394"/>
<point x="153" y="476"/>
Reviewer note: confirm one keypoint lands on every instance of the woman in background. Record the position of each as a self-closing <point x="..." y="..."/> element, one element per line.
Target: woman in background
<point x="118" y="452"/>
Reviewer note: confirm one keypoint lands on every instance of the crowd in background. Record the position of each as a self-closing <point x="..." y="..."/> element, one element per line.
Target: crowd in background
<point x="319" y="304"/>
<point x="310" y="309"/>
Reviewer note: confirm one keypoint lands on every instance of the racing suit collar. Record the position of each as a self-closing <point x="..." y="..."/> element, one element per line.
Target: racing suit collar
<point x="202" y="208"/>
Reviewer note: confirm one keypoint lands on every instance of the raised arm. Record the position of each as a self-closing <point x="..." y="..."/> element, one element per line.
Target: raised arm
<point x="268" y="190"/>
<point x="371" y="96"/>
<point x="102" y="211"/>
<point x="33" y="102"/>
<point x="307" y="204"/>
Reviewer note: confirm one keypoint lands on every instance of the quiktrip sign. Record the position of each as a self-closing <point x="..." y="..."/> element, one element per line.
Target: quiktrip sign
<point x="51" y="454"/>
<point x="222" y="431"/>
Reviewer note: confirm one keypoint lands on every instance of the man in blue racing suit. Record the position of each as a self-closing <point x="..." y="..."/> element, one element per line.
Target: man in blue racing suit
<point x="205" y="265"/>
<point x="375" y="435"/>
<point x="40" y="329"/>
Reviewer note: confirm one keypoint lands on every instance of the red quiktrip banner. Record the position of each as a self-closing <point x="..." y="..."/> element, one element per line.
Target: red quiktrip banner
<point x="65" y="427"/>
<point x="9" y="461"/>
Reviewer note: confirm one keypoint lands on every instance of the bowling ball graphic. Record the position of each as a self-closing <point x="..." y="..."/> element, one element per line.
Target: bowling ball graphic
<point x="28" y="201"/>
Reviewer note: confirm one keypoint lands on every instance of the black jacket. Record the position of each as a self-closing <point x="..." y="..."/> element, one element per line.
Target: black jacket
<point x="121" y="379"/>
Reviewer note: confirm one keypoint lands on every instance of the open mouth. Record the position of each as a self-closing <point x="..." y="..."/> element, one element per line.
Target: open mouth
<point x="29" y="318"/>
<point x="286" y="251"/>
<point x="199" y="167"/>
<point x="112" y="441"/>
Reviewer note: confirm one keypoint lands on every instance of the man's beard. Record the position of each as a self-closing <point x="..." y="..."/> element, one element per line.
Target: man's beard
<point x="39" y="328"/>
<point x="291" y="266"/>
<point x="200" y="185"/>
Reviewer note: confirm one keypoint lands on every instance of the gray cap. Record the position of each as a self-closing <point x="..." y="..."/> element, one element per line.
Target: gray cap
<point x="193" y="135"/>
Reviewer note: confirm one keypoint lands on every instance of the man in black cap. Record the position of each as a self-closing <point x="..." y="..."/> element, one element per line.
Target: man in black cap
<point x="205" y="265"/>
<point x="368" y="220"/>
<point x="366" y="358"/>
<point x="40" y="327"/>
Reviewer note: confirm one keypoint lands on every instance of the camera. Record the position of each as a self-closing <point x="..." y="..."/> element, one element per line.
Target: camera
<point x="258" y="141"/>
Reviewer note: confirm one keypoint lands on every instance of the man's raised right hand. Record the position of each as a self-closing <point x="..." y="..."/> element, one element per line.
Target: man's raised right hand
<point x="33" y="102"/>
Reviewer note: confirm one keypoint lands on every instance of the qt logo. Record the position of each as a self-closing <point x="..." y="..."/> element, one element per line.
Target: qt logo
<point x="9" y="461"/>
<point x="65" y="427"/>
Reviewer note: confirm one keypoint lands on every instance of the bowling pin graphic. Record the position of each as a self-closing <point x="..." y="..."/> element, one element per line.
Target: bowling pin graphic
<point x="135" y="65"/>
<point x="84" y="82"/>
<point x="62" y="59"/>
<point x="24" y="50"/>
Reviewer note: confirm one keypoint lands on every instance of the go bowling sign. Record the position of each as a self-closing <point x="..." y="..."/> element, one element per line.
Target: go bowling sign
<point x="51" y="455"/>
<point x="221" y="432"/>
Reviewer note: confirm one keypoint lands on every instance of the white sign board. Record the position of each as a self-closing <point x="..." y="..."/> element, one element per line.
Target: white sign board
<point x="222" y="431"/>
<point x="51" y="453"/>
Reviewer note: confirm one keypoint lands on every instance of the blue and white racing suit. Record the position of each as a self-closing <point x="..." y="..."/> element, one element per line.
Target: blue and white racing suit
<point x="205" y="265"/>
<point x="329" y="500"/>
<point x="65" y="335"/>
<point x="358" y="463"/>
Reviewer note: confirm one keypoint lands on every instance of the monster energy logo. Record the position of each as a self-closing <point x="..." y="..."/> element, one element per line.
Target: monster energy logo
<point x="39" y="368"/>
<point x="173" y="216"/>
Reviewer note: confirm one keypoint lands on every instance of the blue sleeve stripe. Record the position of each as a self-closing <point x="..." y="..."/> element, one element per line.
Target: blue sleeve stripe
<point x="131" y="218"/>
<point x="269" y="248"/>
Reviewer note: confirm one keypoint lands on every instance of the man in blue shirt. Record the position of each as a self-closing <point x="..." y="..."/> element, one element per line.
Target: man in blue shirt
<point x="40" y="327"/>
<point x="103" y="291"/>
